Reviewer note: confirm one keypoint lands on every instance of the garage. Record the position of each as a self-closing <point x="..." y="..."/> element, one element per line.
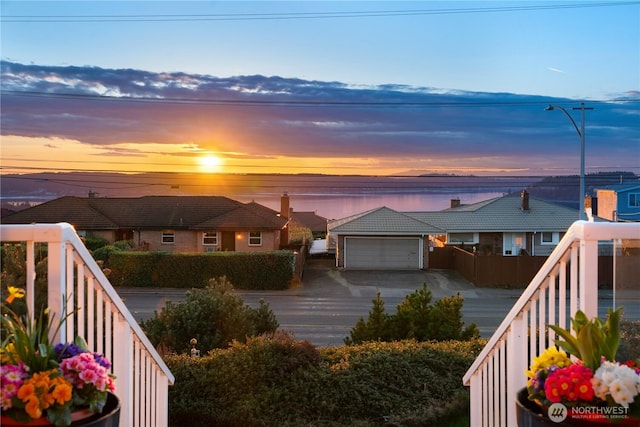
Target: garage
<point x="382" y="253"/>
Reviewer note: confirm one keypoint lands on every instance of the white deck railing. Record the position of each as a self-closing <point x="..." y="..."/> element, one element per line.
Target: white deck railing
<point x="77" y="284"/>
<point x="568" y="281"/>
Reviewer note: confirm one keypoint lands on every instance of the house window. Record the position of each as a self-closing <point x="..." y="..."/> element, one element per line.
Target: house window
<point x="210" y="238"/>
<point x="463" y="238"/>
<point x="255" y="238"/>
<point x="549" y="238"/>
<point x="168" y="237"/>
<point x="634" y="200"/>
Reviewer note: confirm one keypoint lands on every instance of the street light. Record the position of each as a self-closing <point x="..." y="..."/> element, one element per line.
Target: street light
<point x="580" y="131"/>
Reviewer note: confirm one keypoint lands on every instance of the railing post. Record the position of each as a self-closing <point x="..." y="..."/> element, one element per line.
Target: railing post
<point x="56" y="269"/>
<point x="516" y="364"/>
<point x="31" y="277"/>
<point x="122" y="367"/>
<point x="588" y="291"/>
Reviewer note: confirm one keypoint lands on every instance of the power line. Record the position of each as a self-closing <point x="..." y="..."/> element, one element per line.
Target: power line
<point x="302" y="15"/>
<point x="276" y="102"/>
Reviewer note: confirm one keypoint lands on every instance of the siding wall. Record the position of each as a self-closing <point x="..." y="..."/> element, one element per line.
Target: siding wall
<point x="191" y="241"/>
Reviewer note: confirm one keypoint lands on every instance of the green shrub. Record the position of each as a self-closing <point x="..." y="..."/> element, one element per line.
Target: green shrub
<point x="215" y="316"/>
<point x="93" y="242"/>
<point x="14" y="273"/>
<point x="629" y="348"/>
<point x="247" y="270"/>
<point x="416" y="318"/>
<point x="103" y="253"/>
<point x="278" y="381"/>
<point x="124" y="245"/>
<point x="300" y="235"/>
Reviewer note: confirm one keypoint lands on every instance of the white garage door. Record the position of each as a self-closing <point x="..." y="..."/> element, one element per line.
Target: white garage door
<point x="382" y="253"/>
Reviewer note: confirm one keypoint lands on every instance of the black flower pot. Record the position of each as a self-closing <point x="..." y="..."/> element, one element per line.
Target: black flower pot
<point x="529" y="414"/>
<point x="109" y="417"/>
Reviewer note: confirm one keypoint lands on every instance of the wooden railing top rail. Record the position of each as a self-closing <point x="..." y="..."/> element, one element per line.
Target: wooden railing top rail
<point x="64" y="232"/>
<point x="579" y="231"/>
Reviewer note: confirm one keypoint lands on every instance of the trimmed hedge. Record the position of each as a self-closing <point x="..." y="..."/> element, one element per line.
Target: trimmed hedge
<point x="282" y="382"/>
<point x="253" y="270"/>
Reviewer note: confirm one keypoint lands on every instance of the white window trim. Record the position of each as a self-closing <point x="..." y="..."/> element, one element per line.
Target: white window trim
<point x="637" y="197"/>
<point x="555" y="238"/>
<point x="256" y="237"/>
<point x="168" y="234"/>
<point x="211" y="235"/>
<point x="475" y="239"/>
<point x="509" y="250"/>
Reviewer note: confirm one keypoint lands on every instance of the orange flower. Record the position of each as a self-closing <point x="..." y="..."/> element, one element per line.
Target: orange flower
<point x="62" y="392"/>
<point x="33" y="407"/>
<point x="25" y="391"/>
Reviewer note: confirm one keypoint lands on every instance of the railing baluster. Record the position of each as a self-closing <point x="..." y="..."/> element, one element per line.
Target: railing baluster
<point x="31" y="277"/>
<point x="81" y="304"/>
<point x="91" y="312"/>
<point x="532" y="308"/>
<point x="101" y="323"/>
<point x="573" y="281"/>
<point x="562" y="294"/>
<point x="56" y="278"/>
<point x="542" y="318"/>
<point x="69" y="294"/>
<point x="137" y="379"/>
<point x="551" y="319"/>
<point x="491" y="390"/>
<point x="503" y="385"/>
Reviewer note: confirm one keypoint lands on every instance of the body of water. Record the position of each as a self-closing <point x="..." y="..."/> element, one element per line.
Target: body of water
<point x="339" y="205"/>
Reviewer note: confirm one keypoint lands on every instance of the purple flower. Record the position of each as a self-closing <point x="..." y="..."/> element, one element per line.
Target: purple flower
<point x="66" y="350"/>
<point x="102" y="361"/>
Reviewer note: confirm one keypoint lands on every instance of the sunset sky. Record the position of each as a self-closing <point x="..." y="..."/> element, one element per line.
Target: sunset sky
<point x="344" y="87"/>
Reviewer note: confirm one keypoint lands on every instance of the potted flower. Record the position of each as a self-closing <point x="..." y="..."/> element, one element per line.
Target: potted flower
<point x="578" y="381"/>
<point x="50" y="384"/>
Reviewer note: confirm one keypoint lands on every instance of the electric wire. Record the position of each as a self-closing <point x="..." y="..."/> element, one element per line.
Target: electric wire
<point x="294" y="103"/>
<point x="302" y="15"/>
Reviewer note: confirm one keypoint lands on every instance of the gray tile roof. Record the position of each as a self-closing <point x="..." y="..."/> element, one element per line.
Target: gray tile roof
<point x="384" y="221"/>
<point x="501" y="214"/>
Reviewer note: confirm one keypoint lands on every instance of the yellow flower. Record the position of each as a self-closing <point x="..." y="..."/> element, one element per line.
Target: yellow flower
<point x="14" y="293"/>
<point x="551" y="357"/>
<point x="8" y="353"/>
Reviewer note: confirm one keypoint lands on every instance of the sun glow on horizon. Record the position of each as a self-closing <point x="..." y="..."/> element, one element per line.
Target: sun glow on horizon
<point x="210" y="163"/>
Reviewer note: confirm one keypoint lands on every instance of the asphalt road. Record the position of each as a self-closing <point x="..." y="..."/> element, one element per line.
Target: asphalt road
<point x="327" y="304"/>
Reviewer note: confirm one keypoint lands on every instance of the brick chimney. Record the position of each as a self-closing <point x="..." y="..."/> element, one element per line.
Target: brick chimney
<point x="524" y="198"/>
<point x="455" y="203"/>
<point x="284" y="205"/>
<point x="284" y="213"/>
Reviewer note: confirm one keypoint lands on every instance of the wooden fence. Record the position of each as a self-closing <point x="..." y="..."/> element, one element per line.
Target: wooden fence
<point x="518" y="271"/>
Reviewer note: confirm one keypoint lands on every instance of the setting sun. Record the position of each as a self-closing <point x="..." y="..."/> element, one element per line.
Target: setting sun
<point x="210" y="163"/>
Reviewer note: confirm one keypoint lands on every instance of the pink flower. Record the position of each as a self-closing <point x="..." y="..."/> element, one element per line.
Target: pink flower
<point x="11" y="377"/>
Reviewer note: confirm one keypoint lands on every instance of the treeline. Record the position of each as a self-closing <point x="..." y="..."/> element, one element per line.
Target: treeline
<point x="566" y="188"/>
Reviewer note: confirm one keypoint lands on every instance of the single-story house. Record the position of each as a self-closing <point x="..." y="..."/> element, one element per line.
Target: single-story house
<point x="383" y="238"/>
<point x="619" y="202"/>
<point x="166" y="223"/>
<point x="311" y="220"/>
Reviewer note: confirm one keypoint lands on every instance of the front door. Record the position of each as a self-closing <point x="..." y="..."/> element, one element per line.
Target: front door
<point x="228" y="241"/>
